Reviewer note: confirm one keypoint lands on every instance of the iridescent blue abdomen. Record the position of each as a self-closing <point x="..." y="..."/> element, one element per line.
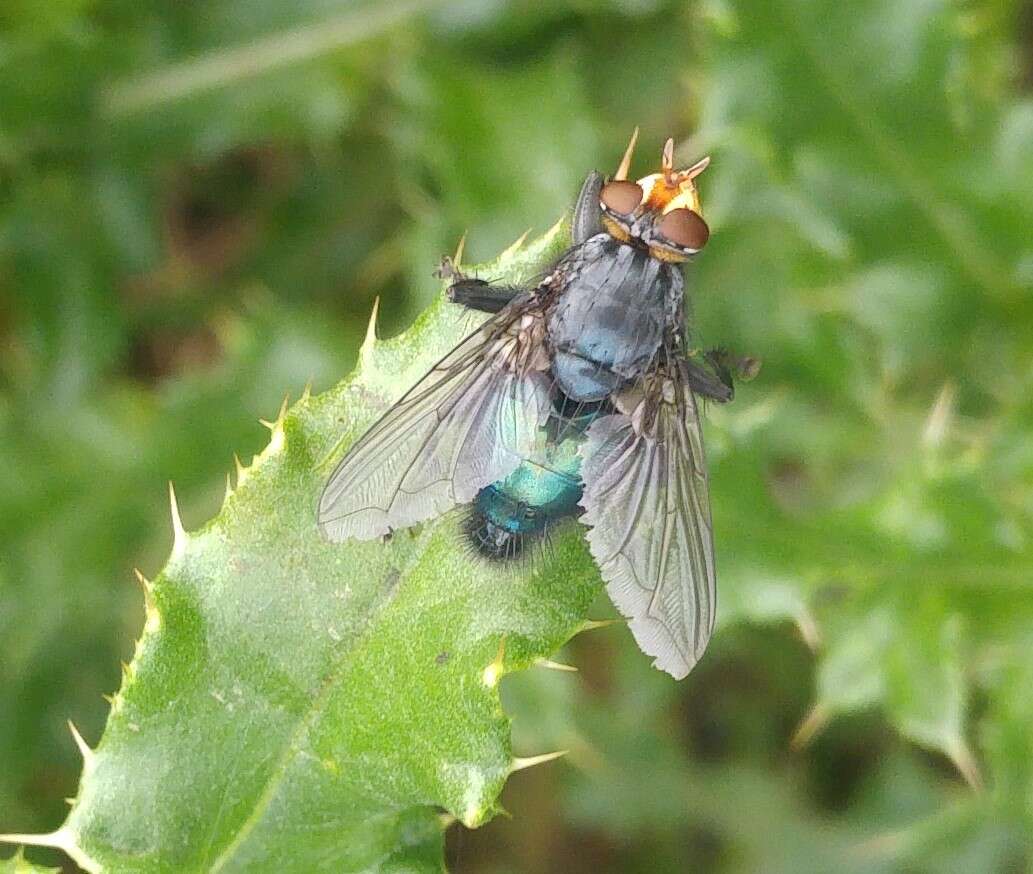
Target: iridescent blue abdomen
<point x="544" y="489"/>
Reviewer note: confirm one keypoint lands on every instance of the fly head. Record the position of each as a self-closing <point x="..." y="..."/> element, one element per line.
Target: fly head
<point x="660" y="212"/>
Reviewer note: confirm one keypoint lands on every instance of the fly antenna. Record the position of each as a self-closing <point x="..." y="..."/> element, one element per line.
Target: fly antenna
<point x="667" y="161"/>
<point x="696" y="168"/>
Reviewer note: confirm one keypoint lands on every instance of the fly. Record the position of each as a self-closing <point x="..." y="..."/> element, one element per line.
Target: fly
<point x="577" y="398"/>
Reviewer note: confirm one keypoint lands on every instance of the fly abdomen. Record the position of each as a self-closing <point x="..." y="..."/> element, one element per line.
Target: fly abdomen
<point x="508" y="515"/>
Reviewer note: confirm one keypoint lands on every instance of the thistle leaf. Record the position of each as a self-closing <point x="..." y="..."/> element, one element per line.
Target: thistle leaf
<point x="296" y="705"/>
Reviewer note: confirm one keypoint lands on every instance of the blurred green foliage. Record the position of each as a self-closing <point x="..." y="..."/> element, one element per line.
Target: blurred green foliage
<point x="198" y="203"/>
<point x="18" y="864"/>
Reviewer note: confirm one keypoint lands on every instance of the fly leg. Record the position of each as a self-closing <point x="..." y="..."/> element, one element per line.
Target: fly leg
<point x="473" y="293"/>
<point x="712" y="374"/>
<point x="476" y="294"/>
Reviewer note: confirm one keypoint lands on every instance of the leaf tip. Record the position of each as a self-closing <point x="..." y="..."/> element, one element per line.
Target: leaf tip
<point x="277" y="423"/>
<point x="152" y="622"/>
<point x="521" y="763"/>
<point x="555" y="666"/>
<point x="241" y="471"/>
<point x="478" y="813"/>
<point x="555" y="229"/>
<point x="84" y="748"/>
<point x="276" y="441"/>
<point x="370" y="341"/>
<point x="515" y="246"/>
<point x="179" y="534"/>
<point x="625" y="165"/>
<point x="592" y="624"/>
<point x="145" y="583"/>
<point x="493" y="672"/>
<point x="457" y="259"/>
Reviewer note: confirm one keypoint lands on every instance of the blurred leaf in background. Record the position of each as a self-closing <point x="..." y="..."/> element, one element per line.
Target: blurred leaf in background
<point x="199" y="202"/>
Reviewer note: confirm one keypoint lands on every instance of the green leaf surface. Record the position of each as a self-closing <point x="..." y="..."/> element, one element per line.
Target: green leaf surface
<point x="295" y="705"/>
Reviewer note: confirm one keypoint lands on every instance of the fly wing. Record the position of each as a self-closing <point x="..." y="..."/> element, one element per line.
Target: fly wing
<point x="464" y="425"/>
<point x="647" y="504"/>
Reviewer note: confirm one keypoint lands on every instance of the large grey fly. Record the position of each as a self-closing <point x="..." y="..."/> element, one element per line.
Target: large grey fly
<point x="578" y="397"/>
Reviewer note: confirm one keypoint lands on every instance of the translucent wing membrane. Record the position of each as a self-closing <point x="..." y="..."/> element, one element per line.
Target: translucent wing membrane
<point x="647" y="504"/>
<point x="466" y="424"/>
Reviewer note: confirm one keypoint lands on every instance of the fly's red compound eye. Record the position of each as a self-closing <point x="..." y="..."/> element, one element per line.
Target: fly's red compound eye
<point x="621" y="196"/>
<point x="685" y="228"/>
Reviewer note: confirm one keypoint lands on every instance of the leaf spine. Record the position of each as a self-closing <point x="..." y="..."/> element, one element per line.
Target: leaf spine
<point x="554" y="230"/>
<point x="370" y="341"/>
<point x="179" y="534"/>
<point x="457" y="259"/>
<point x="555" y="666"/>
<point x="494" y="670"/>
<point x="242" y="472"/>
<point x="152" y="622"/>
<point x="277" y="423"/>
<point x="625" y="164"/>
<point x="592" y="624"/>
<point x="521" y="763"/>
<point x="515" y="246"/>
<point x="88" y="757"/>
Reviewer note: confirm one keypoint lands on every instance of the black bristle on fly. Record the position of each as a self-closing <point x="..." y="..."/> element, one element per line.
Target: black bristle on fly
<point x="493" y="542"/>
<point x="486" y="540"/>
